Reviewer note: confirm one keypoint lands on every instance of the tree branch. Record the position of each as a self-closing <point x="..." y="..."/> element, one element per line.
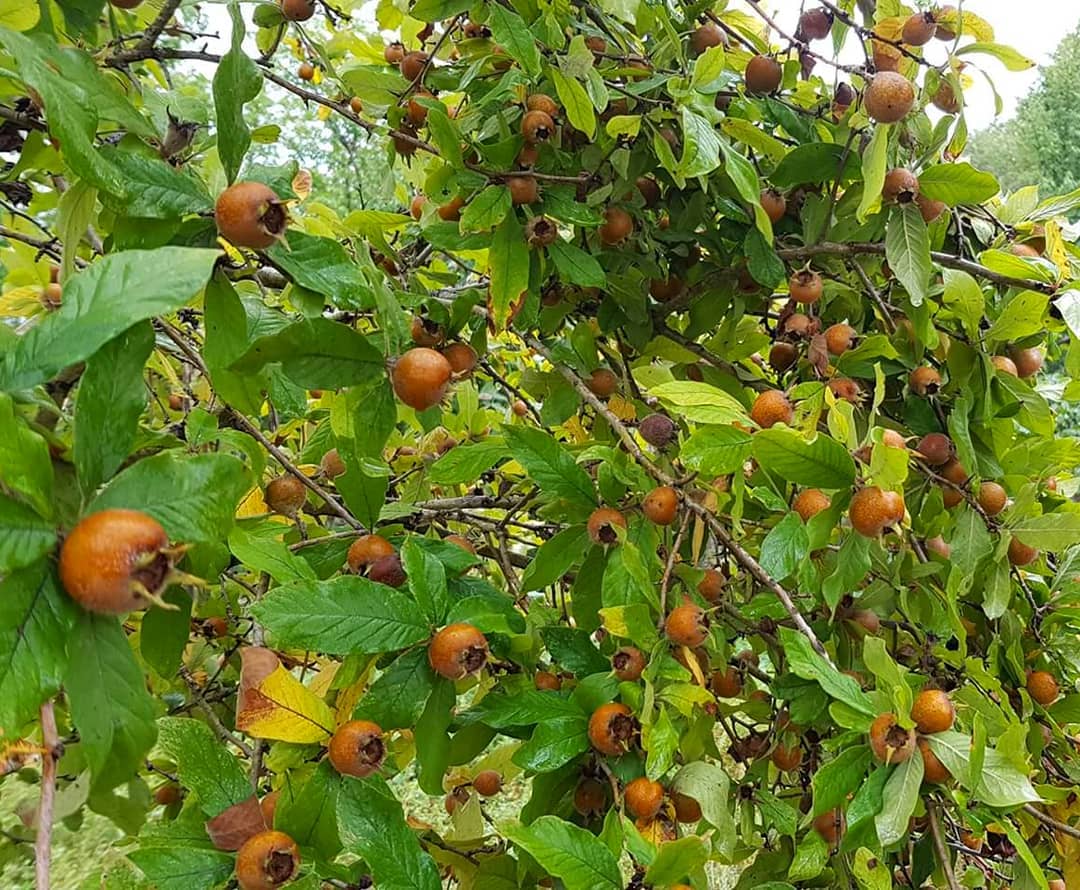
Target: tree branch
<point x="939" y="845"/>
<point x="49" y="756"/>
<point x="1032" y="810"/>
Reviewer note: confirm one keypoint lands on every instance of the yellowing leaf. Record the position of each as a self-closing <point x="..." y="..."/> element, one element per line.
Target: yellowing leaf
<point x="301" y="184"/>
<point x="19" y="15"/>
<point x="254" y="504"/>
<point x="21" y="302"/>
<point x="273" y="704"/>
<point x="622" y="408"/>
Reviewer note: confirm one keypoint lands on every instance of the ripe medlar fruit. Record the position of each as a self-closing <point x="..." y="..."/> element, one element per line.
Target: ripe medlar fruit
<point x="687" y="625"/>
<point x="805" y="286"/>
<point x="936" y="449"/>
<point x="933" y="711"/>
<point x="487" y="783"/>
<point x="872" y="510"/>
<point x="707" y="36"/>
<point x="658" y="430"/>
<point x="590" y="797"/>
<point x="603" y="525"/>
<point x="901" y="186"/>
<point x="388" y="570"/>
<point x="661" y="505"/>
<point x="889" y="741"/>
<point x="458" y="651"/>
<point x="266" y="861"/>
<point x="763" y="75"/>
<point x="618" y="225"/>
<point x="889" y="97"/>
<point x="644" y="797"/>
<point x="774" y="204"/>
<point x="839" y="338"/>
<point x="365" y="550"/>
<point x="628" y="664"/>
<point x="420" y="378"/>
<point x="412" y="65"/>
<point x="925" y="381"/>
<point x="934" y="771"/>
<point x="537" y="126"/>
<point x="462" y="358"/>
<point x="992" y="498"/>
<point x="771" y="407"/>
<point x="809" y="502"/>
<point x="285" y="495"/>
<point x="711" y="585"/>
<point x="612" y="729"/>
<point x="602" y="383"/>
<point x="919" y="29"/>
<point x="357" y="748"/>
<point x="815" y="24"/>
<point x="297" y="10"/>
<point x="249" y="214"/>
<point x="523" y="190"/>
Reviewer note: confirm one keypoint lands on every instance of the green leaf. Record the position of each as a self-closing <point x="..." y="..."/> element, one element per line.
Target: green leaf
<point x="708" y="784"/>
<point x="100" y="303"/>
<point x="316" y="353"/>
<point x="154" y="188"/>
<point x="816" y="162"/>
<point x="76" y="211"/>
<point x="999" y="784"/>
<point x="660" y="739"/>
<point x="577" y="266"/>
<point x="432" y="739"/>
<point x="110" y="705"/>
<point x="345" y="615"/>
<point x="112" y="396"/>
<point x="701" y="148"/>
<point x="466" y="463"/>
<point x="193" y="497"/>
<point x="579" y="109"/>
<point x="364" y="487"/>
<point x="785" y="547"/>
<point x="572" y="648"/>
<point x="900" y="796"/>
<point x="554" y="557"/>
<point x="741" y="172"/>
<point x="890" y="679"/>
<point x="676" y="859"/>
<point x="397" y="698"/>
<point x="25" y="465"/>
<point x="701" y="402"/>
<point x="744" y="131"/>
<point x="228" y="336"/>
<point x="1021" y="317"/>
<point x="958" y="183"/>
<point x="177" y="867"/>
<point x="427" y="580"/>
<point x="874" y="161"/>
<point x="580" y="859"/>
<point x="236" y="82"/>
<point x="841" y="776"/>
<point x="971" y="542"/>
<point x="530" y="706"/>
<point x="513" y="35"/>
<point x="203" y="764"/>
<point x="486" y="210"/>
<point x="708" y="67"/>
<point x="164" y="633"/>
<point x="324" y="266"/>
<point x="1008" y="56"/>
<point x="372" y="825"/>
<point x="437" y="10"/>
<point x="965" y="298"/>
<point x="822" y="461"/>
<point x="806" y="663"/>
<point x="24" y="536"/>
<point x="907" y="248"/>
<point x="1051" y="531"/>
<point x="550" y="465"/>
<point x="444" y="132"/>
<point x="508" y="260"/>
<point x="309" y="816"/>
<point x="19" y="16"/>
<point x="553" y="744"/>
<point x="36" y="618"/>
<point x="764" y="264"/>
<point x="270" y="555"/>
<point x="716" y="450"/>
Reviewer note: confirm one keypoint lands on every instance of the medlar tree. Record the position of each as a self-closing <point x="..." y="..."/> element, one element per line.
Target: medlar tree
<point x="674" y="455"/>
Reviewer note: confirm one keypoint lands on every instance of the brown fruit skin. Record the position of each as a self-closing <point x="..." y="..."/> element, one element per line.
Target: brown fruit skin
<point x="711" y="585"/>
<point x="1042" y="687"/>
<point x="487" y="783"/>
<point x="805" y="287"/>
<point x="388" y="570"/>
<point x="901" y="186"/>
<point x="830" y="826"/>
<point x="544" y="103"/>
<point x="658" y="430"/>
<point x="933" y="711"/>
<point x="523" y="190"/>
<point x="618" y="225"/>
<point x="331" y="464"/>
<point x="954" y="471"/>
<point x="1005" y="365"/>
<point x="268" y="805"/>
<point x="394" y="53"/>
<point x="872" y="511"/>
<point x="763" y="75"/>
<point x="707" y="36"/>
<point x="992" y="498"/>
<point x="929" y="208"/>
<point x="285" y="495"/>
<point x="611" y="729"/>
<point x="889" y="97"/>
<point x="925" y="381"/>
<point x="815" y="24"/>
<point x="782" y="356"/>
<point x="167" y="794"/>
<point x="945" y="33"/>
<point x="451" y="210"/>
<point x="1057" y="884"/>
<point x="357" y="749"/>
<point x="602" y="525"/>
<point x="356" y="105"/>
<point x="52" y="296"/>
<point x="839" y="338"/>
<point x="787" y="757"/>
<point x="100" y="559"/>
<point x="297" y="10"/>
<point x="602" y="383"/>
<point x="847" y="389"/>
<point x="936" y="449"/>
<point x="537" y="127"/>
<point x="774" y="204"/>
<point x="1020" y="554"/>
<point x="919" y="29"/>
<point x="1028" y="362"/>
<point x="249" y="214"/>
<point x="809" y="502"/>
<point x="590" y="797"/>
<point x="462" y="358"/>
<point x="462" y="542"/>
<point x="1023" y="250"/>
<point x="939" y="546"/>
<point x="628" y="664"/>
<point x="457" y="651"/>
<point x="267" y="860"/>
<point x="420" y="378"/>
<point x="890" y="742"/>
<point x="215" y="627"/>
<point x="412" y="65"/>
<point x="427" y="333"/>
<point x="727" y="683"/>
<point x="306" y="71"/>
<point x="649" y="189"/>
<point x="519" y="408"/>
<point x="661" y="505"/>
<point x="367" y="549"/>
<point x="934" y="771"/>
<point x="945" y="99"/>
<point x="644" y="797"/>
<point x="546" y="681"/>
<point x="687" y="625"/>
<point x="664" y="290"/>
<point x="770" y="408"/>
<point x="970" y="841"/>
<point x="416" y="206"/>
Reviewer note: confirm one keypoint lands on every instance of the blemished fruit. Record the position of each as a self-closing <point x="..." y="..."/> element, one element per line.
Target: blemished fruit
<point x="458" y="651"/>
<point x="1005" y="365"/>
<point x="603" y="525"/>
<point x="306" y="71"/>
<point x="266" y="861"/>
<point x="357" y="748"/>
<point x="388" y="570"/>
<point x="618" y="225"/>
<point x="919" y="29"/>
<point x="872" y="510"/>
<point x="612" y="729"/>
<point x="787" y="757"/>
<point x="711" y="585"/>
<point x="537" y="126"/>
<point x="285" y="495"/>
<point x="541" y="232"/>
<point x="726" y="683"/>
<point x="523" y="190"/>
<point x="687" y="625"/>
<point x="901" y="186"/>
<point x="412" y="65"/>
<point x="936" y="449"/>
<point x="774" y="204"/>
<point x="546" y="681"/>
<point x="658" y="430"/>
<point x="590" y="797"/>
<point x="889" y="741"/>
<point x="661" y="505"/>
<point x="628" y="664"/>
<point x="782" y="356"/>
<point x="462" y="358"/>
<point x="297" y="10"/>
<point x="365" y="550"/>
<point x="809" y="502"/>
<point x="426" y="332"/>
<point x="815" y="24"/>
<point x="331" y="464"/>
<point x="889" y="97"/>
<point x="805" y="286"/>
<point x="249" y="214"/>
<point x="456" y="798"/>
<point x="763" y="75"/>
<point x="839" y="338"/>
<point x="933" y="711"/>
<point x="215" y="627"/>
<point x="770" y="408"/>
<point x="830" y="825"/>
<point x="934" y="771"/>
<point x="420" y="378"/>
<point x="116" y="561"/>
<point x="644" y="797"/>
<point x="1021" y="554"/>
<point x="487" y="783"/>
<point x="947" y="14"/>
<point x="1042" y="687"/>
<point x="925" y="381"/>
<point x="847" y="389"/>
<point x="1028" y="362"/>
<point x="707" y="36"/>
<point x="945" y="99"/>
<point x="992" y="498"/>
<point x="602" y="383"/>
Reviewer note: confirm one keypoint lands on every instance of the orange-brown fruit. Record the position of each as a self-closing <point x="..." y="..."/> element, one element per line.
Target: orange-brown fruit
<point x="925" y="381"/>
<point x="774" y="204"/>
<point x="357" y="748"/>
<point x="649" y="189"/>
<point x="787" y="757"/>
<point x="590" y="797"/>
<point x="929" y="208"/>
<point x="1057" y="884"/>
<point x="950" y="14"/>
<point x="839" y="338"/>
<point x="618" y="225"/>
<point x="537" y="126"/>
<point x="644" y="797"/>
<point x="1028" y="362"/>
<point x="830" y="826"/>
<point x="687" y="810"/>
<point x="847" y="389"/>
<point x="394" y="52"/>
<point x="809" y="502"/>
<point x="458" y="651"/>
<point x="412" y="65"/>
<point x="628" y="664"/>
<point x="687" y="625"/>
<point x="946" y="99"/>
<point x="771" y="407"/>
<point x="872" y="510"/>
<point x="426" y="332"/>
<point x="727" y="682"/>
<point x="969" y="840"/>
<point x="992" y="498"/>
<point x="462" y="542"/>
<point x="1023" y="250"/>
<point x="665" y="289"/>
<point x="1042" y="687"/>
<point x="249" y="214"/>
<point x="528" y="156"/>
<point x="658" y="430"/>
<point x="889" y="741"/>
<point x="541" y="232"/>
<point x="268" y="805"/>
<point x="919" y="29"/>
<point x="416" y="206"/>
<point x="901" y="186"/>
<point x="365" y="550"/>
<point x="612" y="729"/>
<point x="815" y="24"/>
<point x="356" y="105"/>
<point x="487" y="783"/>
<point x="661" y="505"/>
<point x="603" y="525"/>
<point x="955" y="473"/>
<point x="798" y="325"/>
<point x="546" y="681"/>
<point x="711" y="585"/>
<point x="782" y="355"/>
<point x="456" y="798"/>
<point x="805" y="286"/>
<point x="934" y="771"/>
<point x="602" y="383"/>
<point x="866" y="620"/>
<point x="285" y="495"/>
<point x="451" y="210"/>
<point x="1021" y="554"/>
<point x="176" y="401"/>
<point x="939" y="546"/>
<point x="167" y="794"/>
<point x="933" y="711"/>
<point x="420" y="378"/>
<point x="266" y="861"/>
<point x="523" y="190"/>
<point x="705" y="37"/>
<point x="1005" y="365"/>
<point x="936" y="449"/>
<point x="215" y="627"/>
<point x="52" y="296"/>
<point x="544" y="103"/>
<point x="889" y="97"/>
<point x="331" y="464"/>
<point x="595" y="43"/>
<point x="306" y="71"/>
<point x="116" y="561"/>
<point x="763" y="75"/>
<point x="462" y="358"/>
<point x="388" y="570"/>
<point x="519" y="408"/>
<point x="297" y="10"/>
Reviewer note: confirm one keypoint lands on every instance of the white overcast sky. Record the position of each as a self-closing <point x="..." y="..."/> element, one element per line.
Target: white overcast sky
<point x="1033" y="27"/>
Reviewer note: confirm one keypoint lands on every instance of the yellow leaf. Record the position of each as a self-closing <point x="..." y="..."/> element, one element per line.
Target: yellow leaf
<point x="301" y="184"/>
<point x="19" y="15"/>
<point x="622" y="408"/>
<point x="576" y="430"/>
<point x="21" y="302"/>
<point x="273" y="704"/>
<point x="252" y="505"/>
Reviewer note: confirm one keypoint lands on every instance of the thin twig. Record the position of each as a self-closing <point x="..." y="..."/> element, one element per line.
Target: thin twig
<point x="1032" y="810"/>
<point x="939" y="845"/>
<point x="43" y="840"/>
<point x="665" y="580"/>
